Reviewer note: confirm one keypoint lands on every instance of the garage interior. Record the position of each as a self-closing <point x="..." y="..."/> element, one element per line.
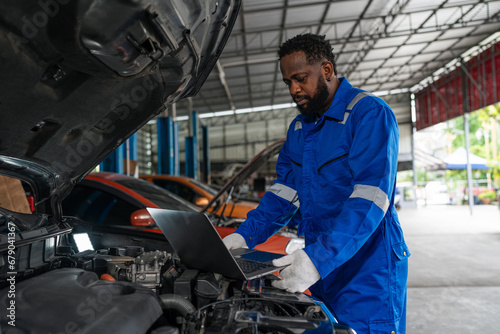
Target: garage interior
<point x="396" y="49"/>
<point x="412" y="53"/>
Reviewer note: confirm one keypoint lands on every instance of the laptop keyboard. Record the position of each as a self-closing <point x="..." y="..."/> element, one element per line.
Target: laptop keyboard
<point x="251" y="266"/>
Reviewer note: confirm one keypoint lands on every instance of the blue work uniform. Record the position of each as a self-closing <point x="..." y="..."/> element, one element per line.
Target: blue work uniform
<point x="338" y="174"/>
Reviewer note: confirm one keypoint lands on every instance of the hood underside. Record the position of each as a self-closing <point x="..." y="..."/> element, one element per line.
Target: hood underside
<point x="79" y="77"/>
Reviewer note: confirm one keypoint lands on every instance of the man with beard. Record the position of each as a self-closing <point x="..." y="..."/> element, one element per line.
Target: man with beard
<point x="338" y="166"/>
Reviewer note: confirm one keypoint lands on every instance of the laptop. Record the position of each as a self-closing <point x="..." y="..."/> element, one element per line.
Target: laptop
<point x="199" y="246"/>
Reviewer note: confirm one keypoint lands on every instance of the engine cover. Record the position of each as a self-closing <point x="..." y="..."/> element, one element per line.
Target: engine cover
<point x="85" y="303"/>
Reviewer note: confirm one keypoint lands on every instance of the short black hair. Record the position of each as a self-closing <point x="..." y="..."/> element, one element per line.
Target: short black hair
<point x="315" y="47"/>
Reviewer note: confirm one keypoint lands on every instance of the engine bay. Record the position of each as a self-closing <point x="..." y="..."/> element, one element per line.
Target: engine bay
<point x="132" y="282"/>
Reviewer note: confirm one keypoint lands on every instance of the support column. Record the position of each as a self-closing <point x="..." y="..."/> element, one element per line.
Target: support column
<point x="113" y="162"/>
<point x="206" y="154"/>
<point x="465" y="101"/>
<point x="166" y="145"/>
<point x="191" y="163"/>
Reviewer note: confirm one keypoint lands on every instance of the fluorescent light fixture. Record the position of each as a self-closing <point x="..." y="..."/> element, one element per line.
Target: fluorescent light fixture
<point x="207" y="115"/>
<point x="391" y="92"/>
<point x="243" y="111"/>
<point x="265" y="108"/>
<point x="284" y="106"/>
<point x="224" y="113"/>
<point x="82" y="241"/>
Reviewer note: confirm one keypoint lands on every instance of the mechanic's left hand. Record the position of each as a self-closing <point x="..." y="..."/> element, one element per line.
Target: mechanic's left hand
<point x="300" y="273"/>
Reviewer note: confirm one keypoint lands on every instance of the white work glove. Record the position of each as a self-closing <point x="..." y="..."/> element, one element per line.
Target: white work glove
<point x="300" y="273"/>
<point x="234" y="241"/>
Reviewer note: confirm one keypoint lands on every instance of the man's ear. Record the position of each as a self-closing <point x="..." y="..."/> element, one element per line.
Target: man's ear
<point x="327" y="69"/>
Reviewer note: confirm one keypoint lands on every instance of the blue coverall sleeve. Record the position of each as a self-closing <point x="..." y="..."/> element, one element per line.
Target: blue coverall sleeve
<point x="373" y="162"/>
<point x="276" y="208"/>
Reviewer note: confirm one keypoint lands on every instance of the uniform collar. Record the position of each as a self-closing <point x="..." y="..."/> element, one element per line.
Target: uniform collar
<point x="339" y="103"/>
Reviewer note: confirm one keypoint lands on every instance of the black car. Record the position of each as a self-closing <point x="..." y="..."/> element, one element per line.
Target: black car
<point x="78" y="78"/>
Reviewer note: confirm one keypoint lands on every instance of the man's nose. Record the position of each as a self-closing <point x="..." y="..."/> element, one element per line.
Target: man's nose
<point x="295" y="88"/>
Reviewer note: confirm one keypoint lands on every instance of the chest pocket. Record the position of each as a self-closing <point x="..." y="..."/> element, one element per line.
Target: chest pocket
<point x="334" y="179"/>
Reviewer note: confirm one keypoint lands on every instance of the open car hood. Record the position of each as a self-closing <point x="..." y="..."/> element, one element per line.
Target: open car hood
<point x="79" y="77"/>
<point x="245" y="172"/>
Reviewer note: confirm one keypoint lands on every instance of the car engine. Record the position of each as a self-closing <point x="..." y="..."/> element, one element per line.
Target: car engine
<point x="133" y="283"/>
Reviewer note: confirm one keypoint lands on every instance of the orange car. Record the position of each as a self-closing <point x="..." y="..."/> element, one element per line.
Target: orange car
<point x="200" y="194"/>
<point x="120" y="200"/>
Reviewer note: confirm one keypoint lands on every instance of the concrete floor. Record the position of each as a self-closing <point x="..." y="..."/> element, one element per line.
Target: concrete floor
<point x="454" y="275"/>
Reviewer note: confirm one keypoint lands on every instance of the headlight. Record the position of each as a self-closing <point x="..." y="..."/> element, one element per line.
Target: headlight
<point x="295" y="244"/>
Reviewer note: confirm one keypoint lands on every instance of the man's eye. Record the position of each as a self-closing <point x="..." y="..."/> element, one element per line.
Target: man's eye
<point x="301" y="79"/>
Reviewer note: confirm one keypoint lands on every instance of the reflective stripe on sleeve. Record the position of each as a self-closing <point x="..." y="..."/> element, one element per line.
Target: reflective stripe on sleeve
<point x="356" y="99"/>
<point x="353" y="102"/>
<point x="285" y="192"/>
<point x="373" y="194"/>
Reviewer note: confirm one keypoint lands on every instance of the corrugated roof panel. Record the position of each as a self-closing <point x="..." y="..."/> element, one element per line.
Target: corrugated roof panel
<point x="265" y="19"/>
<point x="235" y="71"/>
<point x="410" y="22"/>
<point x="487" y="28"/>
<point x="423" y="37"/>
<point x="392" y="41"/>
<point x="418" y="5"/>
<point x="416" y="67"/>
<point x="266" y="78"/>
<point x="408" y="50"/>
<point x="262" y="68"/>
<point x="291" y="32"/>
<point x="338" y="30"/>
<point x="369" y="26"/>
<point x="440" y="45"/>
<point x="384" y="71"/>
<point x="367" y="65"/>
<point x="401" y="76"/>
<point x="370" y="88"/>
<point x="259" y="4"/>
<point x="466" y="41"/>
<point x="270" y="38"/>
<point x="446" y="16"/>
<point x="348" y="47"/>
<point x="341" y="58"/>
<point x="376" y="80"/>
<point x="233" y="44"/>
<point x="380" y="7"/>
<point x="362" y="74"/>
<point x="423" y="58"/>
<point x="376" y="54"/>
<point x="389" y="86"/>
<point x="480" y="12"/>
<point x="300" y="15"/>
<point x="397" y="61"/>
<point x="346" y="9"/>
<point x="236" y="81"/>
<point x="297" y="2"/>
<point x="454" y="33"/>
<point x="448" y="55"/>
<point x="355" y="82"/>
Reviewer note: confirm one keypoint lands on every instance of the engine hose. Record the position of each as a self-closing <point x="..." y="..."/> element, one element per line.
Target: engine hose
<point x="177" y="303"/>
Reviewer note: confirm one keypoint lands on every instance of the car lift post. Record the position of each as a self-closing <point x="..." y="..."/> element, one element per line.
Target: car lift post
<point x="191" y="148"/>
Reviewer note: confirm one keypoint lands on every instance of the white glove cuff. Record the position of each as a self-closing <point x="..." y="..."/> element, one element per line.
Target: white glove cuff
<point x="234" y="241"/>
